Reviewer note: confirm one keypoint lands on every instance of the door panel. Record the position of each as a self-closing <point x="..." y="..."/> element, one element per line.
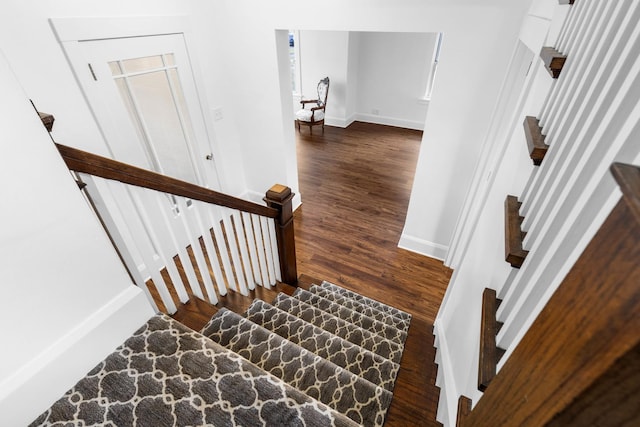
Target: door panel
<point x="145" y="101"/>
<point x="143" y="96"/>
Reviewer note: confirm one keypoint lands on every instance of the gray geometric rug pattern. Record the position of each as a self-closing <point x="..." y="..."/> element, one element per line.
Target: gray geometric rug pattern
<point x="367" y="301"/>
<point x="337" y="326"/>
<point x="386" y="331"/>
<point x="357" y="360"/>
<point x="361" y="308"/>
<point x="339" y="389"/>
<point x="333" y="363"/>
<point x="169" y="375"/>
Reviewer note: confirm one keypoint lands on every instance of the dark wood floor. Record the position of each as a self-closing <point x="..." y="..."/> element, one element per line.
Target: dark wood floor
<point x="355" y="185"/>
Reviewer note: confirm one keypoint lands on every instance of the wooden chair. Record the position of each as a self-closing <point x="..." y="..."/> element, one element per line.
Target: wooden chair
<point x="314" y="115"/>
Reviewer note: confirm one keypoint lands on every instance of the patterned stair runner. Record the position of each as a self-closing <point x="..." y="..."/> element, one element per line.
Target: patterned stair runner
<point x="339" y="389"/>
<point x="168" y="375"/>
<point x="323" y="357"/>
<point x="339" y="327"/>
<point x="361" y="308"/>
<point x="357" y="360"/>
<point x="367" y="301"/>
<point x="385" y="331"/>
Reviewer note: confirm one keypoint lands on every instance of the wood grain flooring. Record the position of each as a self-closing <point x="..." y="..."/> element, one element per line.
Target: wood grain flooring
<point x="355" y="185"/>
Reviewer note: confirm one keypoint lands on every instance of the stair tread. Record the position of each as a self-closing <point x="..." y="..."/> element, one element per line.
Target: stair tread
<point x="366" y="339"/>
<point x="171" y="369"/>
<point x="367" y="301"/>
<point x="361" y="308"/>
<point x="357" y="360"/>
<point x="553" y="60"/>
<point x="535" y="140"/>
<point x="513" y="234"/>
<point x="338" y="388"/>
<point x="386" y="331"/>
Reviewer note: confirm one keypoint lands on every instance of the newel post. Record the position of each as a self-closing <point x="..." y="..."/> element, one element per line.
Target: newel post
<point x="279" y="197"/>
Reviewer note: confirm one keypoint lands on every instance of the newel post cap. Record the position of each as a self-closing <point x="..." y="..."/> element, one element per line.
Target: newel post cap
<point x="279" y="193"/>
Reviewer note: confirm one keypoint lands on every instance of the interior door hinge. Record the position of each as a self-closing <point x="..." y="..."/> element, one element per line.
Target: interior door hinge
<point x="93" y="74"/>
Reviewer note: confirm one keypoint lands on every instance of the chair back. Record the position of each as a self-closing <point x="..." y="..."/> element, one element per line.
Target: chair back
<point x="323" y="91"/>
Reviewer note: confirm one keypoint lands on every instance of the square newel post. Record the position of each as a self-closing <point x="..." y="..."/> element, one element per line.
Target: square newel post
<point x="279" y="197"/>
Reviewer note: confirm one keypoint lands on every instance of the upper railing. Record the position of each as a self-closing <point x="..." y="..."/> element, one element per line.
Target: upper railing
<point x="183" y="233"/>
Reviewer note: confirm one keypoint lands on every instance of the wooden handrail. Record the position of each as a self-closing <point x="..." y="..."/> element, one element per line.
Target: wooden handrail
<point x="82" y="161"/>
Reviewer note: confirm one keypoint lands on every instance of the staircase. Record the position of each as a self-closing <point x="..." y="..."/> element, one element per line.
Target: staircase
<point x="322" y="356"/>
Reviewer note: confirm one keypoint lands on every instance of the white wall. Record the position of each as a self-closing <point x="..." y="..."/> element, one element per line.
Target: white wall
<point x="353" y="72"/>
<point x="376" y="77"/>
<point x="31" y="47"/>
<point x="393" y="76"/>
<point x="237" y="51"/>
<point x="478" y="256"/>
<point x="67" y="300"/>
<point x="238" y="47"/>
<point x="326" y="53"/>
<point x="72" y="297"/>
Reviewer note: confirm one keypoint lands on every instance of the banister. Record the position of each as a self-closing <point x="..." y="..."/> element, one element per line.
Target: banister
<point x="82" y="161"/>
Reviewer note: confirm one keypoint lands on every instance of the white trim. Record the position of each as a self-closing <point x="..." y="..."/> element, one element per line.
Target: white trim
<point x="390" y="121"/>
<point x="423" y="247"/>
<point x="61" y="365"/>
<point x="431" y="77"/>
<point x="339" y="122"/>
<point x="446" y="379"/>
<point x="97" y="28"/>
<point x="298" y="67"/>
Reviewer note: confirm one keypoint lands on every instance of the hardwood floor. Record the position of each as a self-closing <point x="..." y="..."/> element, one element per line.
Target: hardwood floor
<point x="355" y="185"/>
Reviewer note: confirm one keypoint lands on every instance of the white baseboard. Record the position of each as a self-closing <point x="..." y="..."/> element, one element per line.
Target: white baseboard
<point x="370" y="118"/>
<point x="340" y="122"/>
<point x="390" y="121"/>
<point x="45" y="378"/>
<point x="423" y="247"/>
<point x="448" y="403"/>
<point x="297" y="201"/>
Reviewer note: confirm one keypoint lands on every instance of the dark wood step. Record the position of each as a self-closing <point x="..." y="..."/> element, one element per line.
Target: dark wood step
<point x="305" y="281"/>
<point x="464" y="409"/>
<point x="47" y="120"/>
<point x="490" y="354"/>
<point x="553" y="60"/>
<point x="513" y="235"/>
<point x="535" y="139"/>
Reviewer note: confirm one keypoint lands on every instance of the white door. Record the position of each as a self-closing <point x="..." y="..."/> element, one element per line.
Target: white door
<point x="143" y="95"/>
<point x="144" y="98"/>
